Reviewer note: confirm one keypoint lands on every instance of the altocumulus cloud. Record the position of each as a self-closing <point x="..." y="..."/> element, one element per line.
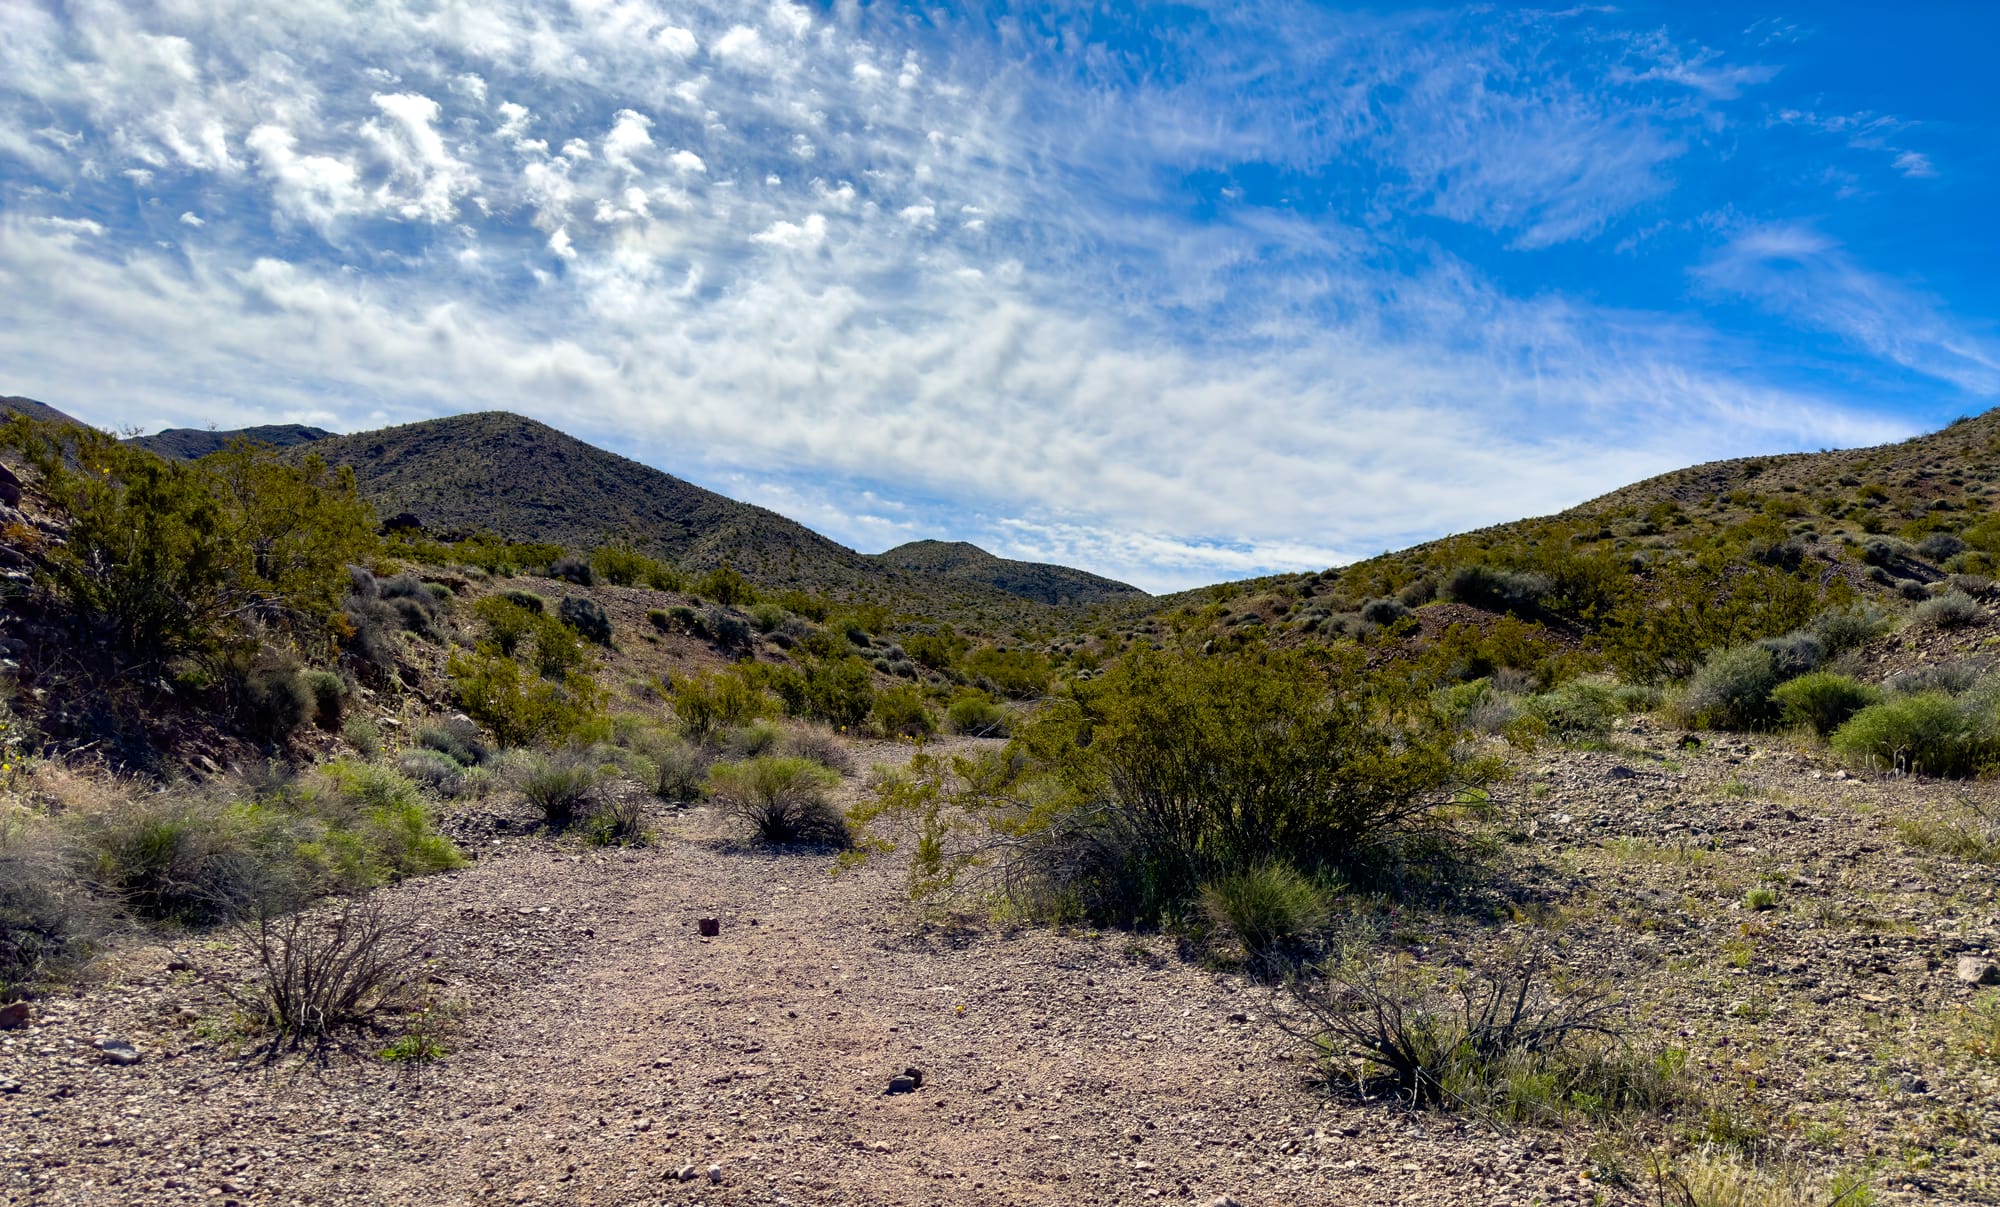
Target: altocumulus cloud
<point x="1000" y="280"/>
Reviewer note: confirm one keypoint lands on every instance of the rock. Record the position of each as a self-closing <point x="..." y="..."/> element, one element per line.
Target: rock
<point x="118" y="1052"/>
<point x="1223" y="1200"/>
<point x="9" y="1086"/>
<point x="1978" y="970"/>
<point x="715" y="1174"/>
<point x="686" y="1173"/>
<point x="13" y="1015"/>
<point x="1621" y="773"/>
<point x="710" y="927"/>
<point x="901" y="1085"/>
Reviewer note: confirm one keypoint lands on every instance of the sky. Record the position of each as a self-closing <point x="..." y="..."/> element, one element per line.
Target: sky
<point x="1174" y="293"/>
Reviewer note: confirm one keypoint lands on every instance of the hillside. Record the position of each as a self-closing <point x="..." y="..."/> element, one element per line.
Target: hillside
<point x="1030" y="580"/>
<point x="187" y="443"/>
<point x="524" y="480"/>
<point x="36" y="410"/>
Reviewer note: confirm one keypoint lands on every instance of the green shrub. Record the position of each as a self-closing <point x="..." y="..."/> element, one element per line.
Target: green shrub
<point x="680" y="770"/>
<point x="587" y="617"/>
<point x="1017" y="674"/>
<point x="712" y="701"/>
<point x="902" y="711"/>
<point x="329" y="694"/>
<point x="1383" y="611"/>
<point x="360" y="733"/>
<point x="459" y="738"/>
<point x="1269" y="909"/>
<point x="618" y="819"/>
<point x="269" y="693"/>
<point x="1824" y="700"/>
<point x="726" y="587"/>
<point x="1928" y="733"/>
<point x="192" y="861"/>
<point x="726" y="628"/>
<point x="783" y="800"/>
<point x="522" y="709"/>
<point x="1576" y="711"/>
<point x="749" y="741"/>
<point x="1497" y="590"/>
<point x="977" y="716"/>
<point x="768" y="616"/>
<point x="432" y="769"/>
<point x="527" y="601"/>
<point x="623" y="566"/>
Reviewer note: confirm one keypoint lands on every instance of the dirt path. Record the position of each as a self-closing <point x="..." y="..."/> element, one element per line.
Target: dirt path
<point x="607" y="1048"/>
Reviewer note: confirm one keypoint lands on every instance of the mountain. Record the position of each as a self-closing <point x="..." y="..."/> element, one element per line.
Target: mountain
<point x="1029" y="580"/>
<point x="36" y="410"/>
<point x="524" y="480"/>
<point x="187" y="443"/>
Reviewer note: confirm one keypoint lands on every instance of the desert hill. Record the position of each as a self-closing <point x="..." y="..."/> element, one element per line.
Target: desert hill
<point x="187" y="443"/>
<point x="13" y="405"/>
<point x="1030" y="580"/>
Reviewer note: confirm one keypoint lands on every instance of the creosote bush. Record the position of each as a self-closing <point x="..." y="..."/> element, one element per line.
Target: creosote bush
<point x="977" y="716"/>
<point x="1928" y="733"/>
<point x="564" y="787"/>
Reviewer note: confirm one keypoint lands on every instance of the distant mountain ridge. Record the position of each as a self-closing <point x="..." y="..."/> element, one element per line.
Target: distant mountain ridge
<point x="498" y="472"/>
<point x="36" y="410"/>
<point x="1047" y="583"/>
<point x="187" y="443"/>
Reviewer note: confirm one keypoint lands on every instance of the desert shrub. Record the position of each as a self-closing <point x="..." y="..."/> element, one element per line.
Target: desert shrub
<point x="783" y="800"/>
<point x="527" y="601"/>
<point x="618" y="819"/>
<point x="1269" y="909"/>
<point x="520" y="708"/>
<point x="164" y="559"/>
<point x="1577" y="710"/>
<point x="1970" y="584"/>
<point x="329" y="695"/>
<point x="936" y="651"/>
<point x="587" y="617"/>
<point x="1843" y="629"/>
<point x="573" y="570"/>
<point x="680" y="769"/>
<point x="726" y="587"/>
<point x="1939" y="546"/>
<point x="189" y="860"/>
<point x="623" y="566"/>
<point x="822" y="746"/>
<point x="977" y="715"/>
<point x="324" y="971"/>
<point x="1383" y="611"/>
<point x="1953" y="611"/>
<point x="416" y="607"/>
<point x="360" y="733"/>
<point x="1125" y="794"/>
<point x="1823" y="700"/>
<point x="1913" y="589"/>
<point x="1794" y="653"/>
<point x="1417" y="594"/>
<point x="749" y="741"/>
<point x="1886" y="551"/>
<point x="458" y="738"/>
<point x="708" y="702"/>
<point x="1928" y="733"/>
<point x="726" y="628"/>
<point x="1952" y="678"/>
<point x="902" y="711"/>
<point x="432" y="769"/>
<point x="1510" y="1043"/>
<point x="836" y="691"/>
<point x="1018" y="674"/>
<point x="269" y="694"/>
<point x="374" y="826"/>
<point x="563" y="787"/>
<point x="1732" y="690"/>
<point x="47" y="920"/>
<point x="767" y="617"/>
<point x="1496" y="590"/>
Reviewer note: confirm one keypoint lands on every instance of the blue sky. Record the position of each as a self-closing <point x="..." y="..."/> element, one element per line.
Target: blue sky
<point x="1176" y="293"/>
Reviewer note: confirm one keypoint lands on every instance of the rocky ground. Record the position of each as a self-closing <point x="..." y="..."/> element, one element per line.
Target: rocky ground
<point x="606" y="1053"/>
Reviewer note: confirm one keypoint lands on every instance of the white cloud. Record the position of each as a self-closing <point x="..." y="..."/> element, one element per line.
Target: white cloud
<point x="686" y="162"/>
<point x="559" y="243"/>
<point x="425" y="180"/>
<point x="676" y="41"/>
<point x="189" y="218"/>
<point x="798" y="236"/>
<point x="1912" y="163"/>
<point x="628" y="137"/>
<point x="741" y="45"/>
<point x="318" y="190"/>
<point x="1795" y="271"/>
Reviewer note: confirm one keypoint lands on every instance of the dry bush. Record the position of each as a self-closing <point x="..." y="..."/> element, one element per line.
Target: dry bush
<point x="323" y="971"/>
<point x="821" y="745"/>
<point x="47" y="919"/>
<point x="783" y="799"/>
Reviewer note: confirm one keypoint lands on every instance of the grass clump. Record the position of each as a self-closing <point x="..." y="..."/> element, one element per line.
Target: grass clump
<point x="1269" y="910"/>
<point x="47" y="919"/>
<point x="782" y="799"/>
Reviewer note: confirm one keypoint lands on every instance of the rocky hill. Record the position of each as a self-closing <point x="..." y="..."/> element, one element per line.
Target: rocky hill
<point x="35" y="410"/>
<point x="1030" y="580"/>
<point x="187" y="443"/>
